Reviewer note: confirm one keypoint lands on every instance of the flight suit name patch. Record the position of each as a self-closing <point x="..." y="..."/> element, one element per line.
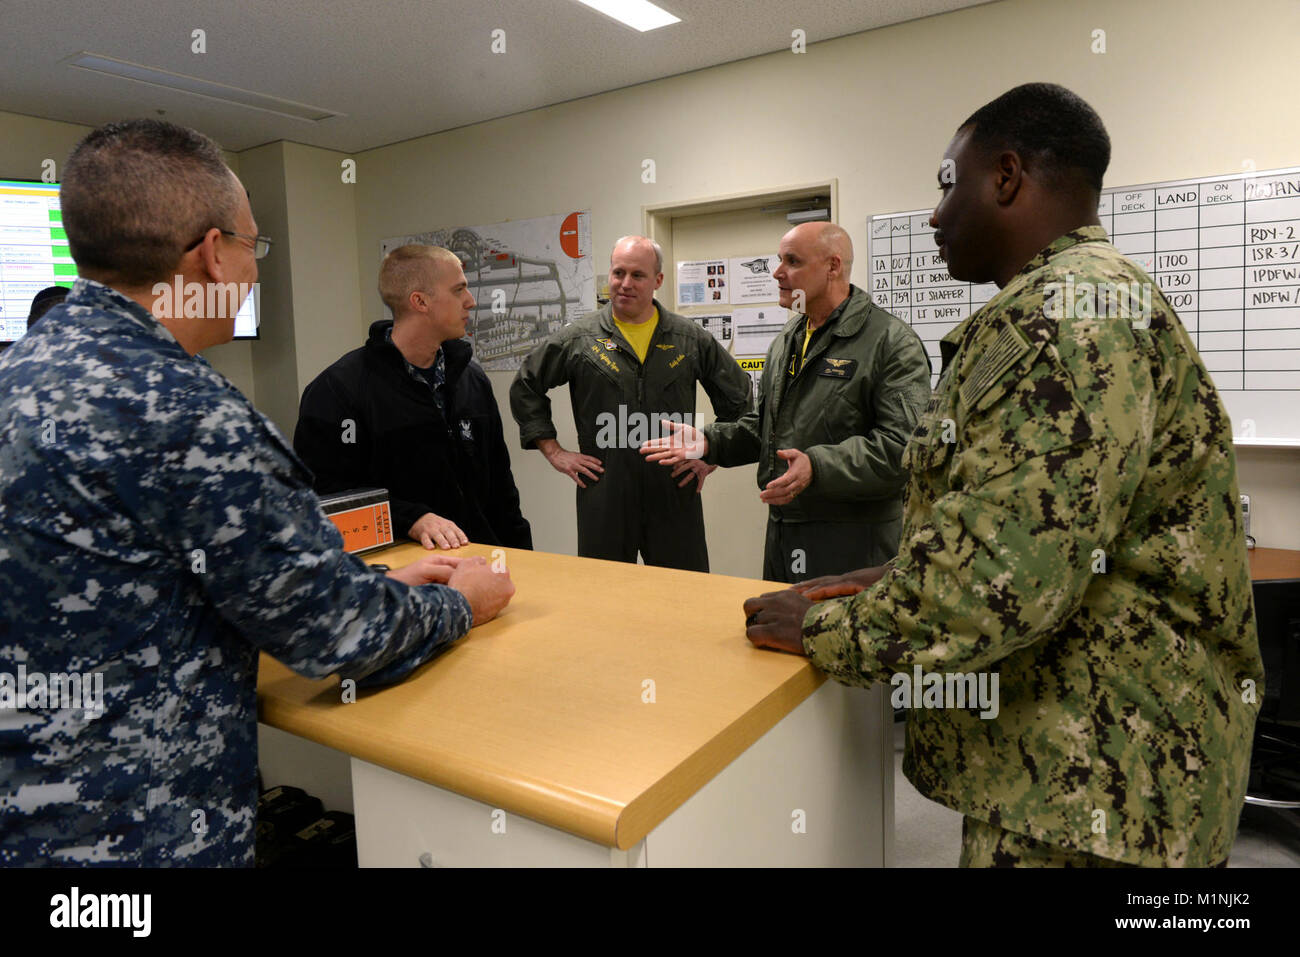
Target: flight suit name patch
<point x="836" y="368"/>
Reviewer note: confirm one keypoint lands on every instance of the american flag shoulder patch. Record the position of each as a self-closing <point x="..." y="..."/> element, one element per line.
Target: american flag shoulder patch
<point x="1002" y="353"/>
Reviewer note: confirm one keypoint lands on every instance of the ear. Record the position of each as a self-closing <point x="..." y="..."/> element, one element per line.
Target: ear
<point x="1008" y="177"/>
<point x="659" y="280"/>
<point x="208" y="254"/>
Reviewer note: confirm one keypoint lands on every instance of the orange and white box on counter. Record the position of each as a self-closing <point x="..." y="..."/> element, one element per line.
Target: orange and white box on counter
<point x="362" y="516"/>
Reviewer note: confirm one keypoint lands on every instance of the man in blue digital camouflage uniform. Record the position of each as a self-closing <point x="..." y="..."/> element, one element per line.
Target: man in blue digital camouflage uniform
<point x="157" y="531"/>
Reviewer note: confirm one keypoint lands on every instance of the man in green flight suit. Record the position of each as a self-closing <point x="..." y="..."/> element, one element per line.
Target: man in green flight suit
<point x="630" y="366"/>
<point x="842" y="387"/>
<point x="1071" y="528"/>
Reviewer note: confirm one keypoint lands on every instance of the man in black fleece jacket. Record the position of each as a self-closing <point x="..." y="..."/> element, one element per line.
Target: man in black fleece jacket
<point x="410" y="411"/>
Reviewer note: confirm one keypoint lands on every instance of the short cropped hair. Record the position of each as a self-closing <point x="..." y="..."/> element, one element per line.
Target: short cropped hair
<point x="658" y="250"/>
<point x="1049" y="127"/>
<point x="136" y="194"/>
<point x="408" y="268"/>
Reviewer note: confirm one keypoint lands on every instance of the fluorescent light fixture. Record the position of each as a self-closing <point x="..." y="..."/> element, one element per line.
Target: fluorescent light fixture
<point x="638" y="14"/>
<point x="181" y="83"/>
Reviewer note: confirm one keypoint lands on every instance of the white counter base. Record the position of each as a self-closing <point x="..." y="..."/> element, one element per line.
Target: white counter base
<point x="831" y="758"/>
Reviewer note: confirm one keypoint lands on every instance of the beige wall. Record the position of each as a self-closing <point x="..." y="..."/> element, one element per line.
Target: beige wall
<point x="1180" y="97"/>
<point x="322" y="228"/>
<point x="310" y="305"/>
<point x="1185" y="88"/>
<point x="26" y="142"/>
<point x="273" y="357"/>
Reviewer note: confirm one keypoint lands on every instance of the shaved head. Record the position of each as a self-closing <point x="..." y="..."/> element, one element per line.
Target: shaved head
<point x="826" y="240"/>
<point x="813" y="275"/>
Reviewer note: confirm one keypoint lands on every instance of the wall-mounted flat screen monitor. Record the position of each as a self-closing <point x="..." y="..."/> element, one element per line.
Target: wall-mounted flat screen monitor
<point x="34" y="254"/>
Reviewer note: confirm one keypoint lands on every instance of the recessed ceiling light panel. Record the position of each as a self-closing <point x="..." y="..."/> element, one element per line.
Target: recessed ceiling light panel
<point x="638" y="14"/>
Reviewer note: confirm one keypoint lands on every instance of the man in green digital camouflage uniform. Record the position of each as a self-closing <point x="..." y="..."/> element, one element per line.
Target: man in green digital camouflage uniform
<point x="842" y="387"/>
<point x="1071" y="525"/>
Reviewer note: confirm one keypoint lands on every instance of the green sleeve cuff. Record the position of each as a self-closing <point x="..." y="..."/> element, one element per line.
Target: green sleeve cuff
<point x="830" y="642"/>
<point x="530" y="434"/>
<point x="710" y="457"/>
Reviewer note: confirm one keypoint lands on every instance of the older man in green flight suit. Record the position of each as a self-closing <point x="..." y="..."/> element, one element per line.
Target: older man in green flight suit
<point x="1071" y="527"/>
<point x="842" y="388"/>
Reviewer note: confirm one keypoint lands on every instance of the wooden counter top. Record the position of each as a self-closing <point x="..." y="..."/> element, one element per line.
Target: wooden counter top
<point x="1270" y="564"/>
<point x="540" y="712"/>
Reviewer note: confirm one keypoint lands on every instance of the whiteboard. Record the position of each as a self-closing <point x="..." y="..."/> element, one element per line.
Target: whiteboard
<point x="1224" y="250"/>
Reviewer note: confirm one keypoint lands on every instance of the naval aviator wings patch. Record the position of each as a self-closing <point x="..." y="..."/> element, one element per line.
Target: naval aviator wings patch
<point x="836" y="368"/>
<point x="1002" y="353"/>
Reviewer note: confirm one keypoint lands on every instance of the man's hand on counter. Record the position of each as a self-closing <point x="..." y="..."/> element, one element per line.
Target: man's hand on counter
<point x="775" y="621"/>
<point x="838" y="586"/>
<point x="488" y="591"/>
<point x="429" y="570"/>
<point x="434" y="531"/>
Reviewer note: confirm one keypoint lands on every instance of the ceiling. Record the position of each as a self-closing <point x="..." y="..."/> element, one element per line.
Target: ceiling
<point x="389" y="70"/>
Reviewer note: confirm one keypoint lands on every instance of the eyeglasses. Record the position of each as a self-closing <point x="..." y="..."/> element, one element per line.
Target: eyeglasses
<point x="261" y="244"/>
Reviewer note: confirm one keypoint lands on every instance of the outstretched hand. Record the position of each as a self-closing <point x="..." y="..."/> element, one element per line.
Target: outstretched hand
<point x="782" y="490"/>
<point x="683" y="443"/>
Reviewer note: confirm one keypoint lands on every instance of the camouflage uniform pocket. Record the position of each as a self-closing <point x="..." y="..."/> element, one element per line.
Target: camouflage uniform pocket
<point x="935" y="434"/>
<point x="936" y="429"/>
